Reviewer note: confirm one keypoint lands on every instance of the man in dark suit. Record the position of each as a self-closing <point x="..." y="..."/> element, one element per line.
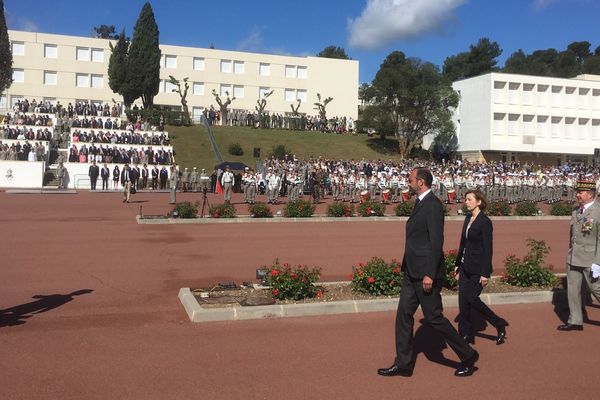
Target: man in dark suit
<point x="93" y="173"/>
<point x="423" y="267"/>
<point x="105" y="174"/>
<point x="126" y="183"/>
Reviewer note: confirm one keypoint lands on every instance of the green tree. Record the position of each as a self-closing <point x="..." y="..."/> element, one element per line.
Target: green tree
<point x="5" y="53"/>
<point x="117" y="71"/>
<point x="445" y="143"/>
<point x="411" y="99"/>
<point x="106" y="32"/>
<point x="143" y="61"/>
<point x="334" y="52"/>
<point x="480" y="59"/>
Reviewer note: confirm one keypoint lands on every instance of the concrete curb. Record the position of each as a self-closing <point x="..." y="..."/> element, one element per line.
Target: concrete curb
<point x="236" y="313"/>
<point x="248" y="219"/>
<point x="41" y="191"/>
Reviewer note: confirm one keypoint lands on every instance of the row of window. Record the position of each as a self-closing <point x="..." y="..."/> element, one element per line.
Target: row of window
<point x="237" y="91"/>
<point x="51" y="51"/>
<point x="543" y="88"/>
<point x="543" y="119"/>
<point x="51" y="78"/>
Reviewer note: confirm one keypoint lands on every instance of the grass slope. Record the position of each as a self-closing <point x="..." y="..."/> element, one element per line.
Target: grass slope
<point x="193" y="148"/>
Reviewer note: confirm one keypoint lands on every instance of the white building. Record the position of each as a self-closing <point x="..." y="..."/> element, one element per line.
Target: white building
<point x="528" y="118"/>
<point x="71" y="68"/>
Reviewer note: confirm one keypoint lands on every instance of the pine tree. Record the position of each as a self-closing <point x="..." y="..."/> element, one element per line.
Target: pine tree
<point x="117" y="70"/>
<point x="5" y="53"/>
<point x="143" y="61"/>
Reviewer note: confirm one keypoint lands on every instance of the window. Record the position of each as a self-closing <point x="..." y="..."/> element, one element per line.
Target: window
<point x="169" y="87"/>
<point x="224" y="90"/>
<point x="171" y="62"/>
<point x="290" y="71"/>
<point x="50" y="51"/>
<point x="238" y="67"/>
<point x="97" y="81"/>
<point x="198" y="89"/>
<point x="226" y="66"/>
<point x="3" y="102"/>
<point x="262" y="92"/>
<point x="301" y="95"/>
<point x="290" y="95"/>
<point x="238" y="91"/>
<point x="18" y="75"/>
<point x="302" y="72"/>
<point x="82" y="80"/>
<point x="18" y="48"/>
<point x="264" y="69"/>
<point x="97" y="55"/>
<point x="50" y="78"/>
<point x="14" y="100"/>
<point x="198" y="63"/>
<point x="83" y="54"/>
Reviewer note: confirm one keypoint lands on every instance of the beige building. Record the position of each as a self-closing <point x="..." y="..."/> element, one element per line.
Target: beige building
<point x="71" y="68"/>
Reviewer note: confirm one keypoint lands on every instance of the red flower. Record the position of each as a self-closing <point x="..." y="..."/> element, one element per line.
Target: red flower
<point x="286" y="265"/>
<point x="294" y="275"/>
<point x="274" y="272"/>
<point x="453" y="252"/>
<point x="319" y="294"/>
<point x="396" y="270"/>
<point x="351" y="276"/>
<point x="371" y="280"/>
<point x="360" y="273"/>
<point x="275" y="292"/>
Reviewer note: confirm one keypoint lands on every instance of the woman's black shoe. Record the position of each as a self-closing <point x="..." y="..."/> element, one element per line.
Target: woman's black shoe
<point x="501" y="338"/>
<point x="469" y="339"/>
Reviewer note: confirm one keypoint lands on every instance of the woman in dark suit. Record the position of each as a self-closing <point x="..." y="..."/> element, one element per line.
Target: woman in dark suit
<point x="474" y="267"/>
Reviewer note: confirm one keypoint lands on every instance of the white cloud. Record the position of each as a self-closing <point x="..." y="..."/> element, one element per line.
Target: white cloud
<point x="385" y="21"/>
<point x="253" y="42"/>
<point x="25" y="24"/>
<point x="539" y="5"/>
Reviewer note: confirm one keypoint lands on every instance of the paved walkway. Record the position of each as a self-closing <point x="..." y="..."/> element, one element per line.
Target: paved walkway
<point x="127" y="336"/>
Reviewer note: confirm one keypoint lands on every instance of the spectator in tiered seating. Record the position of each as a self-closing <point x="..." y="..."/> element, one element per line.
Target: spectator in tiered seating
<point x="121" y="138"/>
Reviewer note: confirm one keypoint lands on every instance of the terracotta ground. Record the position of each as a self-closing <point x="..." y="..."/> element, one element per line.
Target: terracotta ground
<point x="127" y="336"/>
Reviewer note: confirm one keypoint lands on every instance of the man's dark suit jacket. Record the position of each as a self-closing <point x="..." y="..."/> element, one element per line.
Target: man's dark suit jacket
<point x="123" y="176"/>
<point x="94" y="171"/>
<point x="477" y="249"/>
<point x="423" y="252"/>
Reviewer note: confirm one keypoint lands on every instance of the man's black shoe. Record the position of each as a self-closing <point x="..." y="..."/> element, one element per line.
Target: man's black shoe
<point x="394" y="370"/>
<point x="570" y="327"/>
<point x="467" y="367"/>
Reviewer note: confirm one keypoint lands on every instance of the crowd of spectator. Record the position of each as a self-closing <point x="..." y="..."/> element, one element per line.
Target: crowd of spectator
<point x="22" y="152"/>
<point x="119" y="155"/>
<point x="20" y="118"/>
<point x="128" y="137"/>
<point x="23" y="133"/>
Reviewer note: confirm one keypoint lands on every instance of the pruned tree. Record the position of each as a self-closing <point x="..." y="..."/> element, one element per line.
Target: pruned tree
<point x="295" y="109"/>
<point x="143" y="61"/>
<point x="182" y="92"/>
<point x="6" y="59"/>
<point x="117" y="71"/>
<point x="321" y="106"/>
<point x="106" y="32"/>
<point x="262" y="103"/>
<point x="223" y="105"/>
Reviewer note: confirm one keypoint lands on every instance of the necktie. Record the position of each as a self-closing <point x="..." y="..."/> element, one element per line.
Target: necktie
<point x="126" y="176"/>
<point x="581" y="208"/>
<point x="417" y="202"/>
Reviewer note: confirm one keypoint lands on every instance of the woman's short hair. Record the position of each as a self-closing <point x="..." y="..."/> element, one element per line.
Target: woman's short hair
<point x="479" y="196"/>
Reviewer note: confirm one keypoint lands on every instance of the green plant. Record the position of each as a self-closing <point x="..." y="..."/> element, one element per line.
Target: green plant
<point x="530" y="270"/>
<point x="185" y="210"/>
<point x="526" y="209"/>
<point x="446" y="209"/>
<point x="280" y="152"/>
<point x="371" y="209"/>
<point x="561" y="209"/>
<point x="404" y="209"/>
<point x="222" y="211"/>
<point x="340" y="209"/>
<point x="235" y="149"/>
<point x="498" y="209"/>
<point x="298" y="209"/>
<point x="292" y="283"/>
<point x="377" y="277"/>
<point x="260" y="210"/>
<point x="464" y="210"/>
<point x="450" y="262"/>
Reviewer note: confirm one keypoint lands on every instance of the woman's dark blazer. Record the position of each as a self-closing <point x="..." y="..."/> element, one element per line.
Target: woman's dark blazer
<point x="477" y="249"/>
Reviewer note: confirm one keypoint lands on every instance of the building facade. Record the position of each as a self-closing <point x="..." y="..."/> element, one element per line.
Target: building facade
<point x="526" y="118"/>
<point x="72" y="68"/>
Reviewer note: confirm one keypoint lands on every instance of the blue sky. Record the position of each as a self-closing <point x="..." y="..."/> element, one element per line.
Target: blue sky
<point x="368" y="29"/>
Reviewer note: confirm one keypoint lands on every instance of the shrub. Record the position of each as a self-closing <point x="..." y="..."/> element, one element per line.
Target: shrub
<point x="235" y="149"/>
<point x="222" y="211"/>
<point x="529" y="271"/>
<point x="280" y="151"/>
<point x="260" y="210"/>
<point x="446" y="209"/>
<point x="371" y="209"/>
<point x="464" y="210"/>
<point x="292" y="283"/>
<point x="404" y="209"/>
<point x="377" y="277"/>
<point x="185" y="210"/>
<point x="526" y="209"/>
<point x="450" y="262"/>
<point x="498" y="209"/>
<point x="561" y="209"/>
<point x="298" y="209"/>
<point x="340" y="209"/>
